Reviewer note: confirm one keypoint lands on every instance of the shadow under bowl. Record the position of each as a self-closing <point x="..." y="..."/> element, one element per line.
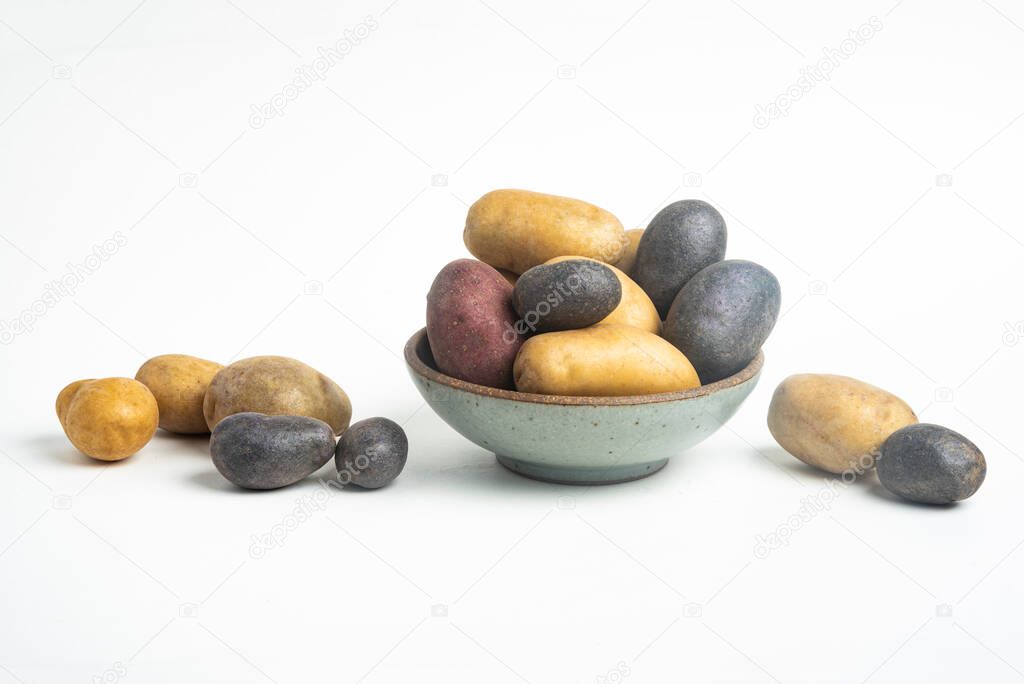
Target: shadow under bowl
<point x="578" y="440"/>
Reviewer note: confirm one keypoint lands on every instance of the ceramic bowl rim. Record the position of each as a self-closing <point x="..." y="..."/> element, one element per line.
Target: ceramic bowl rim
<point x="416" y="363"/>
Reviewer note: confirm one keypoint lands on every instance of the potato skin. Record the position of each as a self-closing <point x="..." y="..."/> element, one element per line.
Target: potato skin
<point x="266" y="452"/>
<point x="930" y="464"/>
<point x="518" y="229"/>
<point x="179" y="383"/>
<point x="834" y="422"/>
<point x="602" y="361"/>
<point x="635" y="309"/>
<point x="471" y="325"/>
<point x="108" y="419"/>
<point x="628" y="258"/>
<point x="66" y="395"/>
<point x="566" y="295"/>
<point x="276" y="386"/>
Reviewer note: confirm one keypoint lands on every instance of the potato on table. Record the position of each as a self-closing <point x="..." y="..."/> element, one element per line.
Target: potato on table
<point x="179" y="383"/>
<point x="108" y="419"/>
<point x="930" y="464"/>
<point x="256" y="451"/>
<point x="276" y="386"/>
<point x="834" y="422"/>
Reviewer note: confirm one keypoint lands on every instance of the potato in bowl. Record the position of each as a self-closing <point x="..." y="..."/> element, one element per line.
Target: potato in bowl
<point x="578" y="439"/>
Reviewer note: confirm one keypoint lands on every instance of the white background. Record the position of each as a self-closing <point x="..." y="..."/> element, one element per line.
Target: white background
<point x="134" y="119"/>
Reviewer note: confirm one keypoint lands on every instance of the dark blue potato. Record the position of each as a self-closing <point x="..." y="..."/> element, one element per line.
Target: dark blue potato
<point x="722" y="316"/>
<point x="566" y="295"/>
<point x="930" y="464"/>
<point x="257" y="451"/>
<point x="681" y="239"/>
<point x="371" y="453"/>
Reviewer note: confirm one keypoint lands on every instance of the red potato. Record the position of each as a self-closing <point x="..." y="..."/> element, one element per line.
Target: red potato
<point x="471" y="324"/>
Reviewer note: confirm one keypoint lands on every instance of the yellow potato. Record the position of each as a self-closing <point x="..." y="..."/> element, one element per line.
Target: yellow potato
<point x="602" y="361"/>
<point x="834" y="422"/>
<point x="66" y="395"/>
<point x="628" y="258"/>
<point x="517" y="229"/>
<point x="179" y="383"/>
<point x="108" y="419"/>
<point x="635" y="309"/>
<point x="276" y="386"/>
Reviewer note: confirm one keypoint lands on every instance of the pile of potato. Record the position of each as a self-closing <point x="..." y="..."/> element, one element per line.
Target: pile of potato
<point x="562" y="300"/>
<point x="848" y="427"/>
<point x="273" y="420"/>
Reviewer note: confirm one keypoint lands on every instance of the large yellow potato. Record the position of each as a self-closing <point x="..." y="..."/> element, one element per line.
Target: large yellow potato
<point x="179" y="383"/>
<point x="628" y="258"/>
<point x="602" y="361"/>
<point x="517" y="229"/>
<point x="276" y="386"/>
<point x="834" y="422"/>
<point x="635" y="309"/>
<point x="108" y="419"/>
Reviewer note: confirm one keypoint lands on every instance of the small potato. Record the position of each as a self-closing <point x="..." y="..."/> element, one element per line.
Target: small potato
<point x="602" y="361"/>
<point x="108" y="419"/>
<point x="628" y="258"/>
<point x="371" y="453"/>
<point x="834" y="422"/>
<point x="566" y="295"/>
<point x="179" y="383"/>
<point x="635" y="309"/>
<point x="276" y="386"/>
<point x="930" y="464"/>
<point x="471" y="324"/>
<point x="517" y="229"/>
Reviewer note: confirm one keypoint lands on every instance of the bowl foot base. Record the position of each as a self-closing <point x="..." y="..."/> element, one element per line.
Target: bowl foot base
<point x="581" y="476"/>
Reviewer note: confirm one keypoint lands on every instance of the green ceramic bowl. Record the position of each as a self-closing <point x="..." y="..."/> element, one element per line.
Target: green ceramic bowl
<point x="578" y="440"/>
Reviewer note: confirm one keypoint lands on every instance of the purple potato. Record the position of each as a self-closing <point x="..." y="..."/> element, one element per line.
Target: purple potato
<point x="371" y="453"/>
<point x="257" y="451"/>
<point x="471" y="324"/>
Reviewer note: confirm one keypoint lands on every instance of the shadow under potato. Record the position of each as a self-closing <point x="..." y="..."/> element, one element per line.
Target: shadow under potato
<point x="211" y="479"/>
<point x="327" y="476"/>
<point x="784" y="461"/>
<point x="58" y="447"/>
<point x="877" y="490"/>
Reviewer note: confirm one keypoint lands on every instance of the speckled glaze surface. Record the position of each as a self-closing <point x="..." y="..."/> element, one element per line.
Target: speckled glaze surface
<point x="578" y="440"/>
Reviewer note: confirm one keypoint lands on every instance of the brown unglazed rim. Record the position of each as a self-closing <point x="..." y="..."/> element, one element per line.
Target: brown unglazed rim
<point x="417" y="361"/>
